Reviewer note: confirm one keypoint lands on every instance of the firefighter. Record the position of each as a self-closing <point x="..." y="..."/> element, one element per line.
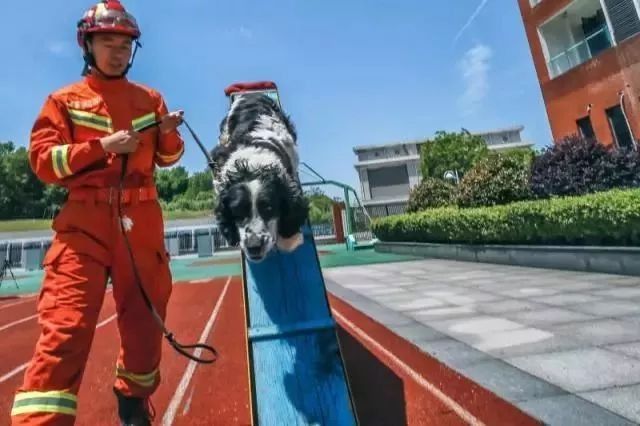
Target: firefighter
<point x="78" y="141"/>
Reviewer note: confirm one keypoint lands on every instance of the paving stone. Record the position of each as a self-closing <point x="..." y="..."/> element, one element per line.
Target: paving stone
<point x="526" y="292"/>
<point x="555" y="343"/>
<point x="622" y="293"/>
<point x="608" y="308"/>
<point x="501" y="340"/>
<point x="381" y="291"/>
<point x="599" y="332"/>
<point x="572" y="287"/>
<point x="630" y="349"/>
<point x="415" y="305"/>
<point x="439" y="314"/>
<point x="474" y="325"/>
<point x="416" y="332"/>
<point x="508" y="306"/>
<point x="624" y="401"/>
<point x="566" y="299"/>
<point x="507" y="381"/>
<point x="542" y="317"/>
<point x="452" y="352"/>
<point x="571" y="410"/>
<point x="582" y="370"/>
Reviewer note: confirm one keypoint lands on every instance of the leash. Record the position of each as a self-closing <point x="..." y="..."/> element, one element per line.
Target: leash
<point x="180" y="348"/>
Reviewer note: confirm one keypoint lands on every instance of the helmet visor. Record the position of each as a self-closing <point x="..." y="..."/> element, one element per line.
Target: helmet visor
<point x="106" y="19"/>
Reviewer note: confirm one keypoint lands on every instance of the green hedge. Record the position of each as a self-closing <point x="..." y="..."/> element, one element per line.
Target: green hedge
<point x="605" y="218"/>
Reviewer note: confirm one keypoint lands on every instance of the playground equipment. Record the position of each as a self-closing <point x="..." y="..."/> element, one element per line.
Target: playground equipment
<point x="358" y="229"/>
<point x="296" y="371"/>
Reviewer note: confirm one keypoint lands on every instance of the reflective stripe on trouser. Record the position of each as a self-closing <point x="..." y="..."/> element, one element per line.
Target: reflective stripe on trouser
<point x="87" y="244"/>
<point x="145" y="380"/>
<point x="44" y="402"/>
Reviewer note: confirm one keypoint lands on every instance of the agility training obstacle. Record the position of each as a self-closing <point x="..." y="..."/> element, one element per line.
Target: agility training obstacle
<point x="296" y="371"/>
<point x="296" y="367"/>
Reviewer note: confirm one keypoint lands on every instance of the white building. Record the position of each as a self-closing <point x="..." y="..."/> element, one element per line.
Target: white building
<point x="388" y="172"/>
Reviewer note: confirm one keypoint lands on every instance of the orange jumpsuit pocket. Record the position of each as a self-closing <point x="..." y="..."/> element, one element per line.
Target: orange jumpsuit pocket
<point x="72" y="266"/>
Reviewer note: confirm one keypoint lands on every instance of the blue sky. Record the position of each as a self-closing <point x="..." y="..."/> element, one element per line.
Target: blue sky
<point x="350" y="73"/>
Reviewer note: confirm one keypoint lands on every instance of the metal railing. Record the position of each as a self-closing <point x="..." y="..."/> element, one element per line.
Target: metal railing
<point x="29" y="254"/>
<point x="578" y="53"/>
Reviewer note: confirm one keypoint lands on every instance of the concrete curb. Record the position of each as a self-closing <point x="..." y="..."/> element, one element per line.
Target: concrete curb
<point x="609" y="260"/>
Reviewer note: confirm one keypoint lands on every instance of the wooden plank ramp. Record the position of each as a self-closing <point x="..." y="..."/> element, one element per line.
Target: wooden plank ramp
<point x="297" y="372"/>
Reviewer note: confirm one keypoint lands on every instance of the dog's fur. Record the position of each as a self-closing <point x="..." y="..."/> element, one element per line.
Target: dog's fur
<point x="255" y="166"/>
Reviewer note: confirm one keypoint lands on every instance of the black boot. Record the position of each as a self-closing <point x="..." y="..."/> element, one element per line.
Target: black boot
<point x="133" y="411"/>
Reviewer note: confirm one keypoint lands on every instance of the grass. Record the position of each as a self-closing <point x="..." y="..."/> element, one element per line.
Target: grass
<point x="18" y="225"/>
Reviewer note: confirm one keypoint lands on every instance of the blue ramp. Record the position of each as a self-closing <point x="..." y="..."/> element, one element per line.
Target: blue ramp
<point x="296" y="367"/>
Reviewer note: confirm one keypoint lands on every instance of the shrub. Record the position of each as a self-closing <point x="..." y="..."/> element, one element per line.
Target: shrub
<point x="577" y="166"/>
<point x="605" y="218"/>
<point x="499" y="178"/>
<point x="430" y="193"/>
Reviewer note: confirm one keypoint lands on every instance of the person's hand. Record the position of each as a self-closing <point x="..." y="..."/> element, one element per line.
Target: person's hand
<point x="171" y="121"/>
<point x="121" y="142"/>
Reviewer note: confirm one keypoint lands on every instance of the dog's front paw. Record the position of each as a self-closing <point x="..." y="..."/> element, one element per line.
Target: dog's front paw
<point x="290" y="244"/>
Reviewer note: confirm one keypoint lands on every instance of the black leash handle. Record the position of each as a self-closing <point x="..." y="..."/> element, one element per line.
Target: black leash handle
<point x="180" y="348"/>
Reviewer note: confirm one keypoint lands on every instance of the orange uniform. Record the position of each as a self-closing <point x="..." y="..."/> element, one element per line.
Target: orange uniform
<point x="88" y="246"/>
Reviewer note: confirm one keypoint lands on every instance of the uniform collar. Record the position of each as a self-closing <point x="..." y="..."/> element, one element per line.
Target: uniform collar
<point x="103" y="84"/>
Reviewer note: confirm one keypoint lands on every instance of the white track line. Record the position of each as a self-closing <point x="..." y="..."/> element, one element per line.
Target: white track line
<point x="170" y="414"/>
<point x="20" y="321"/>
<point x="446" y="400"/>
<point x="18" y="369"/>
<point x="20" y="302"/>
<point x="31" y="298"/>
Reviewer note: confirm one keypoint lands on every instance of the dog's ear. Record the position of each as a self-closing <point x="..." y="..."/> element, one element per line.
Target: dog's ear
<point x="225" y="219"/>
<point x="294" y="209"/>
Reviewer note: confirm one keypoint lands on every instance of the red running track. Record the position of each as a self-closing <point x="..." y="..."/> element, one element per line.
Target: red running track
<point x="392" y="381"/>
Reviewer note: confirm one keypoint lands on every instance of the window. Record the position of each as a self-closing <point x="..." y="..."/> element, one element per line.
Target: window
<point x="619" y="127"/>
<point x="624" y="18"/>
<point x="585" y="128"/>
<point x="389" y="182"/>
<point x="574" y="36"/>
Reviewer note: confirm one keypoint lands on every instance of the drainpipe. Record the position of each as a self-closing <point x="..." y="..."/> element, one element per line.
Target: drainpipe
<point x="626" y="119"/>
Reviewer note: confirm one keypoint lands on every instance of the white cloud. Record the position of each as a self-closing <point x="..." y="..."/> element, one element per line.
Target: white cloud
<point x="472" y="18"/>
<point x="59" y="48"/>
<point x="475" y="66"/>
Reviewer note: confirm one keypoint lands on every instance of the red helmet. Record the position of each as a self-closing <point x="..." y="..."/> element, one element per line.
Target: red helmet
<point x="107" y="16"/>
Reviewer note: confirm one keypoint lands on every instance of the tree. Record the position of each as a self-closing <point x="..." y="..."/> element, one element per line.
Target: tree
<point x="451" y="151"/>
<point x="320" y="206"/>
<point x="200" y="182"/>
<point x="171" y="182"/>
<point x="21" y="192"/>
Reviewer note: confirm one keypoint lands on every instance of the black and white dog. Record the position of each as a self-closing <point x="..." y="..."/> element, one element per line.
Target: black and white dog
<point x="255" y="166"/>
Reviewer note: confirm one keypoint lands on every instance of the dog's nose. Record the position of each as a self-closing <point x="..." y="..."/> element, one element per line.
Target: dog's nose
<point x="254" y="240"/>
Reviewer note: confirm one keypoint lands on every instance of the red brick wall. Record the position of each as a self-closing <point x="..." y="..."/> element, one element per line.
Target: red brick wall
<point x="597" y="82"/>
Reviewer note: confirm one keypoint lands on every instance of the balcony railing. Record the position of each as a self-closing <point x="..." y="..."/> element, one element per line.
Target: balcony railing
<point x="580" y="52"/>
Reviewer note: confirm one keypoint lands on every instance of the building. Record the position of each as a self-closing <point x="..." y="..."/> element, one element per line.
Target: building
<point x="587" y="57"/>
<point x="388" y="172"/>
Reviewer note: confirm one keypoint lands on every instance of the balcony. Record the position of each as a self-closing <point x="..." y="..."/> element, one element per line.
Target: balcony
<point x="575" y="36"/>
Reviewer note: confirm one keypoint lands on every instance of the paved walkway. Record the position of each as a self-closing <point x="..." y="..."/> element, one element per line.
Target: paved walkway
<point x="563" y="346"/>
